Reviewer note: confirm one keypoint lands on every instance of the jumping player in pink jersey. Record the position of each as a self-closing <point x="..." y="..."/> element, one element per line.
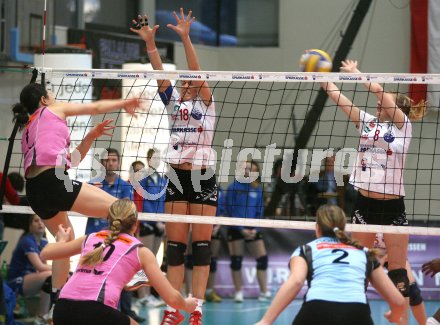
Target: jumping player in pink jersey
<point x="109" y="259"/>
<point x="45" y="146"/>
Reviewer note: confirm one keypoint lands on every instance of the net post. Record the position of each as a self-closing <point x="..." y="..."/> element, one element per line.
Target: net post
<point x="7" y="162"/>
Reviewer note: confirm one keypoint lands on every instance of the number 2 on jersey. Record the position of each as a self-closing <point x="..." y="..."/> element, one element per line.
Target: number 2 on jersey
<point x="340" y="259"/>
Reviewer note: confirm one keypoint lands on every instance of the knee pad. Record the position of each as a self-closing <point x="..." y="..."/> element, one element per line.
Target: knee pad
<point x="202" y="253"/>
<point x="262" y="263"/>
<point x="236" y="262"/>
<point x="47" y="285"/>
<point x="213" y="267"/>
<point x="175" y="253"/>
<point x="189" y="262"/>
<point x="400" y="280"/>
<point x="415" y="295"/>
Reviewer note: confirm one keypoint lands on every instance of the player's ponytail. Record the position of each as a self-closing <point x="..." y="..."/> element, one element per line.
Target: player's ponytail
<point x="331" y="220"/>
<point x="122" y="217"/>
<point x="21" y="115"/>
<point x="30" y="98"/>
<point x="414" y="111"/>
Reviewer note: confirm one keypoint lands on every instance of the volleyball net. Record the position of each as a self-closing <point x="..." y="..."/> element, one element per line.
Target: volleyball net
<point x="272" y="118"/>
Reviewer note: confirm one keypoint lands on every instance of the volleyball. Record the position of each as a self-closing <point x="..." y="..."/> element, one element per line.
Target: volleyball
<point x="315" y="61"/>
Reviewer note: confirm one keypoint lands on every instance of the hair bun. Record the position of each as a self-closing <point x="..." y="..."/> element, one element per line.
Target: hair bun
<point x="21" y="115"/>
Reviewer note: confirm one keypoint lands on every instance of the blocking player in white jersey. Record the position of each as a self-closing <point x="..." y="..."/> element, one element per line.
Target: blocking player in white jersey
<point x="378" y="171"/>
<point x="192" y="187"/>
<point x="336" y="270"/>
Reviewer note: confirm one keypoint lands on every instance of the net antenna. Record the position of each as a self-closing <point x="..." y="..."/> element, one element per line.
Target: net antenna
<point x="43" y="43"/>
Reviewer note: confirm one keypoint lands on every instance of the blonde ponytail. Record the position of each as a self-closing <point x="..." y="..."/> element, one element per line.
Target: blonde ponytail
<point x="122" y="217"/>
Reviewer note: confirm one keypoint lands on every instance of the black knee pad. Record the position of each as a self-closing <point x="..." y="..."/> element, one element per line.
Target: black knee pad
<point x="400" y="280"/>
<point x="189" y="262"/>
<point x="213" y="267"/>
<point x="47" y="285"/>
<point x="175" y="253"/>
<point x="236" y="262"/>
<point x="202" y="253"/>
<point x="415" y="295"/>
<point x="262" y="263"/>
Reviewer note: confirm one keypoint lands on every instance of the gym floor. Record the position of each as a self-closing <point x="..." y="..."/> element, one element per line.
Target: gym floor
<point x="251" y="310"/>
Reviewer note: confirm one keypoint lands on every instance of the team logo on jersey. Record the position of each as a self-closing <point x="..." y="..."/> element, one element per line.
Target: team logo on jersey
<point x="196" y="114"/>
<point x="363" y="165"/>
<point x="389" y="137"/>
<point x="372" y="124"/>
<point x="366" y="129"/>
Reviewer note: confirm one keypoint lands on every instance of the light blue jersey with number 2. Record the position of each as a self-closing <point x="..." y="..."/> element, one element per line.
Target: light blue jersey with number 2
<point x="336" y="271"/>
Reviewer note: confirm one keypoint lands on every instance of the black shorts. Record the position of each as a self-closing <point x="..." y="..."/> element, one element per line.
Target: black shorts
<point x="147" y="228"/>
<point x="74" y="312"/>
<point x="51" y="191"/>
<point x="208" y="194"/>
<point x="379" y="212"/>
<point x="333" y="313"/>
<point x="235" y="234"/>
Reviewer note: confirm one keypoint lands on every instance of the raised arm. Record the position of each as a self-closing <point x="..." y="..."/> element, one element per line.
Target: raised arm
<point x="102" y="128"/>
<point x="288" y="291"/>
<point x="94" y="108"/>
<point x="343" y="102"/>
<point x="64" y="247"/>
<point x="182" y="28"/>
<point x="148" y="34"/>
<point x="382" y="283"/>
<point x="170" y="295"/>
<point x="386" y="100"/>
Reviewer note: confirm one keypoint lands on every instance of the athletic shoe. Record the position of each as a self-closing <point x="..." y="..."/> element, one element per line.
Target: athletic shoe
<point x="212" y="296"/>
<point x="195" y="318"/>
<point x="264" y="296"/>
<point x="138" y="280"/>
<point x="172" y="318"/>
<point x="238" y="296"/>
<point x="151" y="302"/>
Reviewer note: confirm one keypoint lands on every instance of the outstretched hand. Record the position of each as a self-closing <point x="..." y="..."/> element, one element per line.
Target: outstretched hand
<point x="130" y="106"/>
<point x="349" y="66"/>
<point x="393" y="317"/>
<point x="190" y="304"/>
<point x="432" y="267"/>
<point x="102" y="128"/>
<point x="142" y="28"/>
<point x="183" y="23"/>
<point x="64" y="234"/>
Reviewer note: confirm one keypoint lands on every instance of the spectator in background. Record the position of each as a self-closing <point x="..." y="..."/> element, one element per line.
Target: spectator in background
<point x="325" y="190"/>
<point x="115" y="186"/>
<point x="151" y="233"/>
<point x="244" y="199"/>
<point x="28" y="274"/>
<point x="111" y="184"/>
<point x="138" y="200"/>
<point x="17" y="220"/>
<point x="279" y="186"/>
